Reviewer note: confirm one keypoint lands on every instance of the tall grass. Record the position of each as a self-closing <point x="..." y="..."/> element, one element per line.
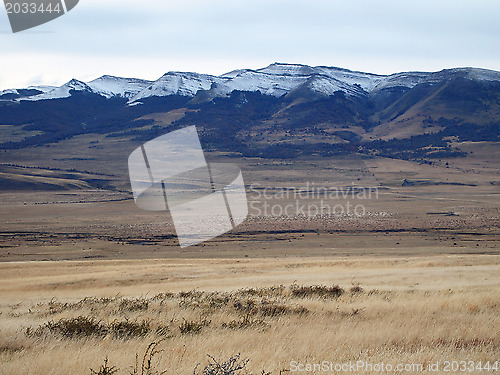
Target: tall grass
<point x="455" y="317"/>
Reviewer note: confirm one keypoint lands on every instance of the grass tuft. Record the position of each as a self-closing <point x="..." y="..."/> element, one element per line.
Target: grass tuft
<point x="192" y="326"/>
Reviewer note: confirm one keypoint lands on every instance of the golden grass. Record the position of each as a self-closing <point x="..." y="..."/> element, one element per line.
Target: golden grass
<point x="393" y="310"/>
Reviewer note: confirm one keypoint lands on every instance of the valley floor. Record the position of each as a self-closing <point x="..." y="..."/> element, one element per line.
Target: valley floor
<point x="85" y="275"/>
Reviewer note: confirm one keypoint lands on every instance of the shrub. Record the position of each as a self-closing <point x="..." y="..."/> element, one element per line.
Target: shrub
<point x="127" y="328"/>
<point x="191" y="326"/>
<point x="320" y="291"/>
<point x="232" y="366"/>
<point x="69" y="328"/>
<point x="83" y="326"/>
<point x="139" y="304"/>
<point x="356" y="289"/>
<point x="244" y="322"/>
<point x="273" y="309"/>
<point x="105" y="369"/>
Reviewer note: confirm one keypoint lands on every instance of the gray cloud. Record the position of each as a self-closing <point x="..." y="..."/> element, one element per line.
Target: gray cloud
<point x="385" y="36"/>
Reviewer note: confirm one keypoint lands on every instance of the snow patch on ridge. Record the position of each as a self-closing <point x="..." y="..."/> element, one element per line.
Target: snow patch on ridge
<point x="110" y="86"/>
<point x="277" y="79"/>
<point x="61" y="92"/>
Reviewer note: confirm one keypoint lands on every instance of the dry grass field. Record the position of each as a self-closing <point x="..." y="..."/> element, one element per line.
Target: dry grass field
<point x="68" y="317"/>
<point x="86" y="276"/>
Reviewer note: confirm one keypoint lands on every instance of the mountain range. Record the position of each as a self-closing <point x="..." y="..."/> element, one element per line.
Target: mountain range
<point x="282" y="110"/>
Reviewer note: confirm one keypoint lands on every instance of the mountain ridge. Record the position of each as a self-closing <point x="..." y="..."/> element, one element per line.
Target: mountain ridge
<point x="277" y="79"/>
<point x="282" y="110"/>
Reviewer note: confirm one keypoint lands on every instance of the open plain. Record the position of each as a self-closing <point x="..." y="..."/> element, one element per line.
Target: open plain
<point x="415" y="280"/>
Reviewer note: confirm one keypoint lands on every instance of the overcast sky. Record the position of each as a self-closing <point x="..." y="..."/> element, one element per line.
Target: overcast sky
<point x="147" y="38"/>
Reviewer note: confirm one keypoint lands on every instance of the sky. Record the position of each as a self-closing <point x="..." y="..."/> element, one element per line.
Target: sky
<point x="147" y="38"/>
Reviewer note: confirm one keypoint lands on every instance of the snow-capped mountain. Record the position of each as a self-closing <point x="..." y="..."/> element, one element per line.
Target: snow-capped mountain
<point x="268" y="83"/>
<point x="275" y="80"/>
<point x="107" y="86"/>
<point x="61" y="92"/>
<point x="280" y="79"/>
<point x="178" y="83"/>
<point x="9" y="92"/>
<point x="281" y="111"/>
<point x="110" y="86"/>
<point x="12" y="94"/>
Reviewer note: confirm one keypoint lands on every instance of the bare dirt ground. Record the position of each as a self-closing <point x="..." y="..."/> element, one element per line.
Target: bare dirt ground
<point x="451" y="206"/>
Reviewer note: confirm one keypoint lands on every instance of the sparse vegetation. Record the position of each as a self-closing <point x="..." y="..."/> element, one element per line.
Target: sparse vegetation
<point x="183" y="327"/>
<point x="235" y="365"/>
<point x="84" y="326"/>
<point x="316" y="291"/>
<point x="148" y="365"/>
<point x="192" y="326"/>
<point x="415" y="280"/>
<point x="105" y="369"/>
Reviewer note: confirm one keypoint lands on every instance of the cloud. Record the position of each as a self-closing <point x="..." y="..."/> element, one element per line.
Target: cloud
<point x="150" y="37"/>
